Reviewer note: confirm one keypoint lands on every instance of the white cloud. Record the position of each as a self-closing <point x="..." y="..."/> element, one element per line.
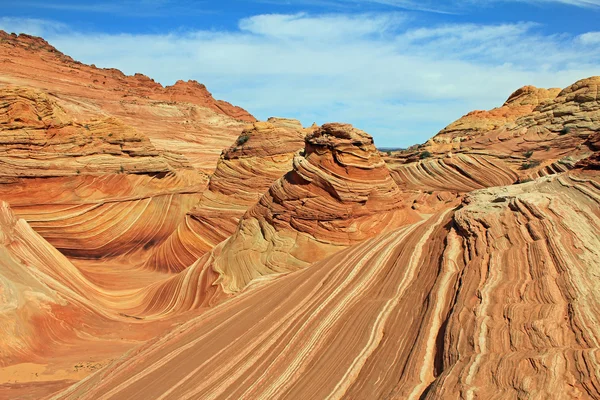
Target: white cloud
<point x="304" y="26"/>
<point x="400" y="83"/>
<point x="577" y="3"/>
<point x="434" y="6"/>
<point x="590" y="38"/>
<point x="31" y="26"/>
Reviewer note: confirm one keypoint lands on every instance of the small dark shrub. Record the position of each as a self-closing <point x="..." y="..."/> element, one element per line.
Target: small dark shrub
<point x="525" y="180"/>
<point x="242" y="139"/>
<point x="530" y="164"/>
<point x="122" y="169"/>
<point x="564" y="131"/>
<point x="528" y="154"/>
<point x="424" y="155"/>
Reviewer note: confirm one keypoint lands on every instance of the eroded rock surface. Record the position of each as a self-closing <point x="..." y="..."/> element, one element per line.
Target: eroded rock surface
<point x="446" y="308"/>
<point x="182" y="119"/>
<point x="339" y="193"/>
<point x="245" y="171"/>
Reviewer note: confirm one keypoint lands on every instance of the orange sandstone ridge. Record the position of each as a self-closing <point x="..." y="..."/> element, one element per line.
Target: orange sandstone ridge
<point x="183" y="119"/>
<point x="92" y="187"/>
<point x="307" y="265"/>
<point x="338" y="193"/>
<point x="475" y="123"/>
<point x="259" y="156"/>
<point x="550" y="139"/>
<point x="431" y="310"/>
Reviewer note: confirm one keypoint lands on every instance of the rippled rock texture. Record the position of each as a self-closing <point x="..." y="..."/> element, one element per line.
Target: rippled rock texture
<point x="477" y="123"/>
<point x="307" y="266"/>
<point x="339" y="193"/>
<point x="548" y="132"/>
<point x="260" y="155"/>
<point x="447" y="308"/>
<point x="182" y="119"/>
<point x="92" y="188"/>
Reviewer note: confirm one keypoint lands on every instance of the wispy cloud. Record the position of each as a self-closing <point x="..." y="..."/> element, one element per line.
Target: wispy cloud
<point x="131" y="8"/>
<point x="398" y="81"/>
<point x="576" y="3"/>
<point x="433" y="6"/>
<point x="32" y="26"/>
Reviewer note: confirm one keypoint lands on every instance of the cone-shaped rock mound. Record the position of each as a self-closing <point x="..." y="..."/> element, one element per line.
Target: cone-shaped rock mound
<point x="261" y="154"/>
<point x="339" y="192"/>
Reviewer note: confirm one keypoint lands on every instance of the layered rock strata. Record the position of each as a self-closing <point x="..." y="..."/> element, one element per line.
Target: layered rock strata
<point x="339" y="193"/>
<point x="182" y="119"/>
<point x="245" y="171"/>
<point x="488" y="300"/>
<point x="92" y="188"/>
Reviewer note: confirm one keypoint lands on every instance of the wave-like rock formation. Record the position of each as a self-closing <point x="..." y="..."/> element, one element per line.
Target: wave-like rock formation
<point x="181" y="119"/>
<point x="477" y="123"/>
<point x="56" y="325"/>
<point x="39" y="139"/>
<point x="455" y="172"/>
<point x="486" y="301"/>
<point x="308" y="266"/>
<point x="548" y="132"/>
<point x="245" y="171"/>
<point x="92" y="188"/>
<point x="339" y="193"/>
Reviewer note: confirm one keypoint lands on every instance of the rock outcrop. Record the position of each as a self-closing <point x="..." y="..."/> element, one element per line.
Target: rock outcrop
<point x="478" y="123"/>
<point x="182" y="119"/>
<point x="308" y="266"/>
<point x="548" y="133"/>
<point x="339" y="193"/>
<point x="485" y="301"/>
<point x="92" y="188"/>
<point x="245" y="171"/>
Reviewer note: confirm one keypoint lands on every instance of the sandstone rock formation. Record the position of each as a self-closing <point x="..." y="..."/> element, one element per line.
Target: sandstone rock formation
<point x="260" y="155"/>
<point x="432" y="310"/>
<point x="549" y="138"/>
<point x="181" y="119"/>
<point x="339" y="193"/>
<point x="477" y="123"/>
<point x="307" y="266"/>
<point x="92" y="188"/>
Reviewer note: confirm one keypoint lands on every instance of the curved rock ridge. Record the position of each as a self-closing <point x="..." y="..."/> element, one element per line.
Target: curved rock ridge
<point x="260" y="155"/>
<point x="92" y="188"/>
<point x="477" y="123"/>
<point x="459" y="172"/>
<point x="39" y="139"/>
<point x="488" y="300"/>
<point x="33" y="310"/>
<point x="56" y="325"/>
<point x="196" y="93"/>
<point x="110" y="222"/>
<point x="182" y="91"/>
<point x="549" y="138"/>
<point x="183" y="120"/>
<point x="339" y="193"/>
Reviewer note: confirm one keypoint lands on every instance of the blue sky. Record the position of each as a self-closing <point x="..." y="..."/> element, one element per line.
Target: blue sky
<point x="399" y="69"/>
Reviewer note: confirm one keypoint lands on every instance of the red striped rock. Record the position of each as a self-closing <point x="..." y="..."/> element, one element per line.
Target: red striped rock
<point x="260" y="155"/>
<point x="446" y="308"/>
<point x="182" y="119"/>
